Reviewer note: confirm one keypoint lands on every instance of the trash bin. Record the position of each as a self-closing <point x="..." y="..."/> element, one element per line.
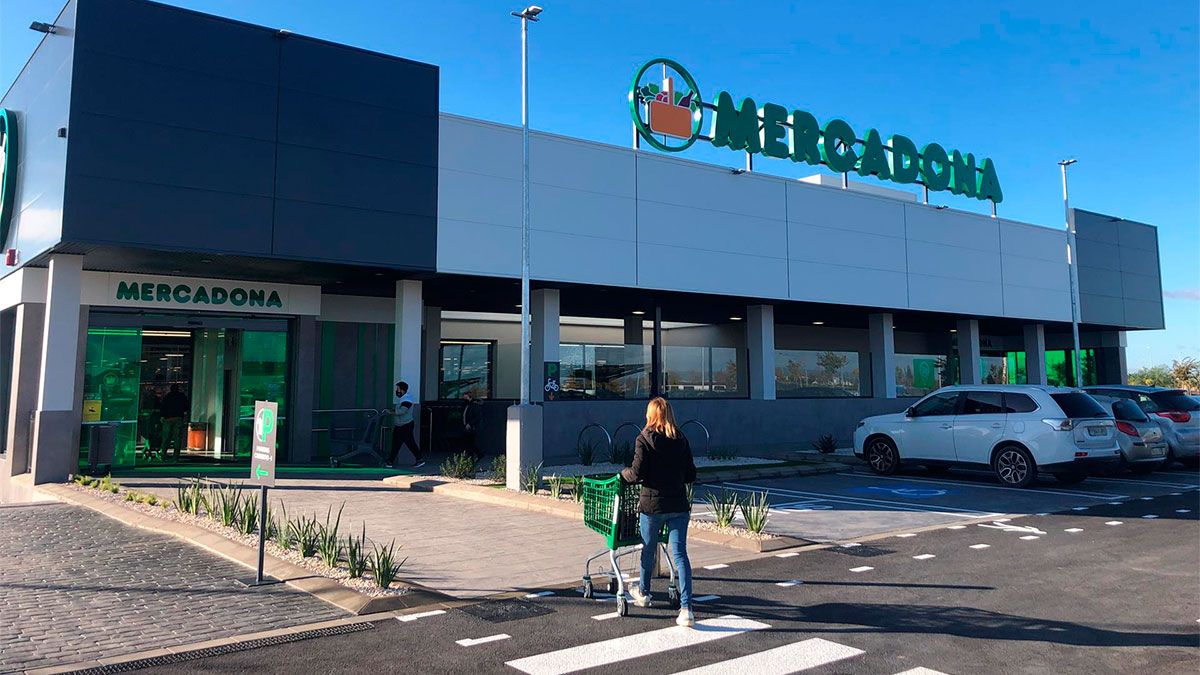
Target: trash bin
<point x="102" y="445"/>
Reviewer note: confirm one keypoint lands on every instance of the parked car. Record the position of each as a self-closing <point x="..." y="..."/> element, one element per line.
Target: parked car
<point x="1014" y="430"/>
<point x="1177" y="413"/>
<point x="1143" y="445"/>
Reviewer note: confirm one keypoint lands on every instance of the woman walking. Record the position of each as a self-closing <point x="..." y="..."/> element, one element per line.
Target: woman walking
<point x="663" y="464"/>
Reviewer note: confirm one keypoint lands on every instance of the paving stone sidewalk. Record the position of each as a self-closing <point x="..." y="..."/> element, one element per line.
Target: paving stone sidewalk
<point x="76" y="586"/>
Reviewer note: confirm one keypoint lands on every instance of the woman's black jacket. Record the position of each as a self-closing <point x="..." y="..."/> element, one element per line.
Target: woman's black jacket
<point x="663" y="466"/>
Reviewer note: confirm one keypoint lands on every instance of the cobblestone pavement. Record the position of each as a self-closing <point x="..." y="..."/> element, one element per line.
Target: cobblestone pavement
<point x="75" y="586"/>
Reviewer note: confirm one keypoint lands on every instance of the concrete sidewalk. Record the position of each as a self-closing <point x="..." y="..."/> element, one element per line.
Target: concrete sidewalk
<point x="462" y="548"/>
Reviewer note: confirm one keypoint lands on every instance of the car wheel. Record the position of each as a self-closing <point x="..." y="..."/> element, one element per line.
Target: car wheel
<point x="1071" y="478"/>
<point x="881" y="456"/>
<point x="1014" y="466"/>
<point x="937" y="469"/>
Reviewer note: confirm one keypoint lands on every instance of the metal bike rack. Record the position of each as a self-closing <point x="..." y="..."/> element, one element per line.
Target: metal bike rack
<point x="636" y="427"/>
<point x="607" y="436"/>
<point x="707" y="436"/>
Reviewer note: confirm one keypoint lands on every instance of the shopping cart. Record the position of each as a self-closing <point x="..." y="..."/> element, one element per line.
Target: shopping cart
<point x="610" y="507"/>
<point x="369" y="442"/>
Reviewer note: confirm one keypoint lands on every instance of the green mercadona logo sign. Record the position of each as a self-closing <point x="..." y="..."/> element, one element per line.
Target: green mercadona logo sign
<point x="668" y="112"/>
<point x="8" y="170"/>
<point x="198" y="294"/>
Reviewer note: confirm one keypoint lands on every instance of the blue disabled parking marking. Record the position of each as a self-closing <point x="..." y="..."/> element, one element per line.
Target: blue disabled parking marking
<point x="913" y="492"/>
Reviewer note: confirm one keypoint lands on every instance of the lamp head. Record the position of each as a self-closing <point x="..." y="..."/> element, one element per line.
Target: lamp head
<point x="1067" y="162"/>
<point x="530" y="13"/>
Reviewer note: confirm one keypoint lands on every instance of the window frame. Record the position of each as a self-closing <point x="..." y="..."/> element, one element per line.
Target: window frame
<point x="491" y="370"/>
<point x="954" y="410"/>
<point x="966" y="395"/>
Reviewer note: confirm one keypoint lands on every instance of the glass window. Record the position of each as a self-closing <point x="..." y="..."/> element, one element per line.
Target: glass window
<point x="7" y="324"/>
<point x="938" y="404"/>
<point x="701" y="372"/>
<point x="604" y="371"/>
<point x="1060" y="368"/>
<point x="920" y="374"/>
<point x="1128" y="411"/>
<point x="1174" y="400"/>
<point x="111" y="374"/>
<point x="466" y="367"/>
<point x="983" y="403"/>
<point x="1018" y="403"/>
<point x="800" y="374"/>
<point x="994" y="370"/>
<point x="1075" y="404"/>
<point x="263" y="377"/>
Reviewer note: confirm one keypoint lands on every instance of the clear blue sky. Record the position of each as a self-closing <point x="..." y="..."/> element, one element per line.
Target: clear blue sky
<point x="1114" y="84"/>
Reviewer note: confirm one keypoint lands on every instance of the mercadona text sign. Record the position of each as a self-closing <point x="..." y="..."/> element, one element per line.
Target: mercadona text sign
<point x="668" y="113"/>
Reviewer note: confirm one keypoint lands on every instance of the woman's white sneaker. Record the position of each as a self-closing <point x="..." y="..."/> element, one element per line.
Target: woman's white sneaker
<point x="685" y="618"/>
<point x="639" y="599"/>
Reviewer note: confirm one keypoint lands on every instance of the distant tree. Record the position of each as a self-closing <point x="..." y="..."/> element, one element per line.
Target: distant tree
<point x="1153" y="376"/>
<point x="1186" y="373"/>
<point x="831" y="363"/>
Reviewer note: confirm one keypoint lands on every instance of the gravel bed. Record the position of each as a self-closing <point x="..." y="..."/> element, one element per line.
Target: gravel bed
<point x="339" y="573"/>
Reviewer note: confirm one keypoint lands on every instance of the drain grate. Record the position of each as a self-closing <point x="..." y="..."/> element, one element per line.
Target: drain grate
<point x="861" y="551"/>
<point x="500" y="611"/>
<point x="181" y="657"/>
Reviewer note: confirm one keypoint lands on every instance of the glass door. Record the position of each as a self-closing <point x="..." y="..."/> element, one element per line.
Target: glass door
<point x="261" y="375"/>
<point x="111" y="390"/>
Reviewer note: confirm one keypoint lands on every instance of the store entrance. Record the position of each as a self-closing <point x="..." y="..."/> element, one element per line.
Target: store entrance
<point x="181" y="394"/>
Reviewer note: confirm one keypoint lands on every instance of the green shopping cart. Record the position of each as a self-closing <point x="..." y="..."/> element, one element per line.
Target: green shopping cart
<point x="610" y="508"/>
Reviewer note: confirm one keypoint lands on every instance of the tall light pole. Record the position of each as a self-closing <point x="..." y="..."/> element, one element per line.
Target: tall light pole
<point x="1073" y="264"/>
<point x="526" y="15"/>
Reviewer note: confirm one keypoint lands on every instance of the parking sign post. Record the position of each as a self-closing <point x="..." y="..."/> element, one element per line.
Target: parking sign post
<point x="262" y="472"/>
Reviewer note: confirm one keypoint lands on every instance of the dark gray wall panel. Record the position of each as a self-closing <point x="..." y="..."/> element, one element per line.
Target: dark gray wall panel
<point x="339" y="125"/>
<point x="322" y="232"/>
<point x="355" y="75"/>
<point x="355" y="181"/>
<point x="1120" y="282"/>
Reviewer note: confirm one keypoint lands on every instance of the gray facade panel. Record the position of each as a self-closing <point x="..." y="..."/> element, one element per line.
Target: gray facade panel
<point x="1120" y="282"/>
<point x="355" y="181"/>
<point x="322" y="232"/>
<point x="338" y="125"/>
<point x="355" y="75"/>
<point x="1145" y="314"/>
<point x="1101" y="309"/>
<point x="1138" y="235"/>
<point x="1100" y="281"/>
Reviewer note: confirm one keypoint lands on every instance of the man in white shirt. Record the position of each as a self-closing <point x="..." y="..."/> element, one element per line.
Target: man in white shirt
<point x="405" y="423"/>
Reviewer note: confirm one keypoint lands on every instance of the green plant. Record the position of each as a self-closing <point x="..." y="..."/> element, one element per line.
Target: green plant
<point x="555" y="484"/>
<point x="531" y="478"/>
<point x="383" y="564"/>
<point x="691" y="493"/>
<point x="586" y="451"/>
<point x="188" y="496"/>
<point x="282" y="530"/>
<point x="622" y="453"/>
<point x="756" y="511"/>
<point x="131" y="496"/>
<point x="226" y="503"/>
<point x="499" y="468"/>
<point x="356" y="555"/>
<point x="82" y="480"/>
<point x="577" y="489"/>
<point x="723" y="505"/>
<point x="825" y="444"/>
<point x="329" y="546"/>
<point x="106" y="484"/>
<point x="461" y="465"/>
<point x="247" y="519"/>
<point x="149" y="500"/>
<point x="304" y="535"/>
<point x="722" y="454"/>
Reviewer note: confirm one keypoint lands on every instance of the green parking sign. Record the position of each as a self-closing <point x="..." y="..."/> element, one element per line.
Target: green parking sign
<point x="262" y="452"/>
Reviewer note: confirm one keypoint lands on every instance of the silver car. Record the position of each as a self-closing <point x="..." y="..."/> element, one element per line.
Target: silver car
<point x="1143" y="446"/>
<point x="1177" y="413"/>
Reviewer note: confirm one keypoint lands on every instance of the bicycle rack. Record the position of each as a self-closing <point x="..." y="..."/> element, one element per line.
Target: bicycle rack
<point x="607" y="436"/>
<point x="707" y="436"/>
<point x="636" y="427"/>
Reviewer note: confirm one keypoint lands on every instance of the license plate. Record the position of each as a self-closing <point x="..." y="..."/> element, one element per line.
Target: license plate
<point x="1157" y="451"/>
<point x="1096" y="431"/>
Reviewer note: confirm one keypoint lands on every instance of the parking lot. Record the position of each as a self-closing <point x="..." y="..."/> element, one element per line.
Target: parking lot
<point x="847" y="506"/>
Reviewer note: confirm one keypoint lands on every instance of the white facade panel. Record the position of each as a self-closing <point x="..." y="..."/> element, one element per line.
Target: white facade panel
<point x="1037" y="303"/>
<point x="689" y="269"/>
<point x="581" y="259"/>
<point x="478" y="198"/>
<point x="1032" y="241"/>
<point x="714" y="188"/>
<point x="1035" y="273"/>
<point x="811" y="243"/>
<point x="478" y="248"/>
<point x="479" y="147"/>
<point x="953" y="262"/>
<point x="581" y="166"/>
<point x="591" y="214"/>
<point x="842" y="209"/>
<point x="840" y="284"/>
<point x="953" y="228"/>
<point x="955" y="295"/>
<point x="669" y="224"/>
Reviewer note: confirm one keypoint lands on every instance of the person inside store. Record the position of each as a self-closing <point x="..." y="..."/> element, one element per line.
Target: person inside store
<point x="663" y="464"/>
<point x="404" y="425"/>
<point x="471" y="415"/>
<point x="174" y="409"/>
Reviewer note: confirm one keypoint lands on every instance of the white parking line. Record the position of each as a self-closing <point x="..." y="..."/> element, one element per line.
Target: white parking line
<point x="789" y="584"/>
<point x="907" y="535"/>
<point x="863" y="501"/>
<point x="979" y="546"/>
<point x="1113" y="522"/>
<point x="718" y="566"/>
<point x="982" y="486"/>
<point x="1079" y="508"/>
<point x="921" y="671"/>
<point x="924" y="556"/>
<point x="606" y="617"/>
<point x="957" y="527"/>
<point x="1115" y="503"/>
<point x="1136" y="481"/>
<point x="420" y="615"/>
<point x="1183" y="510"/>
<point x="864" y="568"/>
<point x="1030" y="537"/>
<point x="638" y="645"/>
<point x="792" y="658"/>
<point x="1146" y="499"/>
<point x="706" y="598"/>
<point x="471" y="642"/>
<point x="540" y="595"/>
<point x="1149" y="516"/>
<point x="1073" y="529"/>
<point x="789" y="554"/>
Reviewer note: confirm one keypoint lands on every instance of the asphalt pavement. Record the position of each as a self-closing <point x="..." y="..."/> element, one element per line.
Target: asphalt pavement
<point x="1111" y="586"/>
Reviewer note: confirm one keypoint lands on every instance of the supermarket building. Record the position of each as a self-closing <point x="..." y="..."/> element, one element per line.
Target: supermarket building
<point x="248" y="214"/>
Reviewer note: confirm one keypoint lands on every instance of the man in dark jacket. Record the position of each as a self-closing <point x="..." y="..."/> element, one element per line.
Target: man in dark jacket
<point x="471" y="415"/>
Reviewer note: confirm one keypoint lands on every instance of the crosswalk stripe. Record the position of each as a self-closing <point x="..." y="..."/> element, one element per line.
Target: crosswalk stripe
<point x="539" y="595"/>
<point x="791" y="658"/>
<point x="420" y="615"/>
<point x="921" y="671"/>
<point x="789" y="584"/>
<point x="978" y="546"/>
<point x="471" y="642"/>
<point x="634" y="646"/>
<point x="718" y="566"/>
<point x="606" y="617"/>
<point x="864" y="568"/>
<point x="789" y="554"/>
<point x="706" y="598"/>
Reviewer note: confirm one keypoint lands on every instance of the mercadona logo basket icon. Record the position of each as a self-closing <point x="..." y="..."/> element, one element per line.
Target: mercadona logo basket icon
<point x="666" y="105"/>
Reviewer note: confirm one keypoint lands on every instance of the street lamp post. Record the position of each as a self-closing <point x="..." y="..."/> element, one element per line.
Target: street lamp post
<point x="1073" y="264"/>
<point x="526" y="15"/>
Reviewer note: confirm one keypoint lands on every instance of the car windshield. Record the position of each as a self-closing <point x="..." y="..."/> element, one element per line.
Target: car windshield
<point x="1128" y="411"/>
<point x="1174" y="400"/>
<point x="1076" y="404"/>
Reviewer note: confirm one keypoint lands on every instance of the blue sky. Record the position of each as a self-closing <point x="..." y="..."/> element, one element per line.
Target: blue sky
<point x="1026" y="83"/>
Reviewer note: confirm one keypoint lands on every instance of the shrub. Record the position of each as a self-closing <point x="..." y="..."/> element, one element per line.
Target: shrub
<point x="586" y="451"/>
<point x="723" y="506"/>
<point x="247" y="520"/>
<point x="82" y="480"/>
<point x="691" y="493"/>
<point x="722" y="454"/>
<point x="577" y="489"/>
<point x="282" y="530"/>
<point x="499" y="468"/>
<point x="304" y="535"/>
<point x="329" y="546"/>
<point x="356" y="554"/>
<point x="131" y="496"/>
<point x="226" y="504"/>
<point x="188" y="496"/>
<point x="461" y="465"/>
<point x="149" y="500"/>
<point x="622" y="453"/>
<point x="383" y="564"/>
<point x="106" y="484"/>
<point x="531" y="478"/>
<point x="755" y="511"/>
<point x="825" y="444"/>
<point x="555" y="485"/>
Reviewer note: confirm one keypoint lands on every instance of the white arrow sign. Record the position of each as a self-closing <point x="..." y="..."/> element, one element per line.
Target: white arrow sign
<point x="1009" y="527"/>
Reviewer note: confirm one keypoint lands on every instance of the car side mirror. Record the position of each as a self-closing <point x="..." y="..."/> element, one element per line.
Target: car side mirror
<point x="908" y="412"/>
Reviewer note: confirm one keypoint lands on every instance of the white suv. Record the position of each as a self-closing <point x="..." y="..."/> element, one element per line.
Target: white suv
<point x="1015" y="430"/>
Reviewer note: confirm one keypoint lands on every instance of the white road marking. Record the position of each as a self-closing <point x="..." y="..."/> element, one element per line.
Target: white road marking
<point x="921" y="671"/>
<point x="1135" y="481"/>
<point x="1041" y="514"/>
<point x="788" y="584"/>
<point x="924" y="556"/>
<point x="471" y="642"/>
<point x="540" y="595"/>
<point x="907" y="534"/>
<point x="863" y="501"/>
<point x="634" y="646"/>
<point x="1003" y="525"/>
<point x="1183" y="510"/>
<point x="706" y="598"/>
<point x="957" y="527"/>
<point x="718" y="566"/>
<point x="985" y="486"/>
<point x="864" y="568"/>
<point x="1073" y="529"/>
<point x="1146" y="499"/>
<point x="1030" y="537"/>
<point x="979" y="546"/>
<point x="783" y="660"/>
<point x="1149" y="516"/>
<point x="1115" y="503"/>
<point x="790" y="554"/>
<point x="1002" y="520"/>
<point x="1113" y="522"/>
<point x="606" y="617"/>
<point x="420" y="615"/>
<point x="1176" y="494"/>
<point x="1079" y="508"/>
<point x="851" y="545"/>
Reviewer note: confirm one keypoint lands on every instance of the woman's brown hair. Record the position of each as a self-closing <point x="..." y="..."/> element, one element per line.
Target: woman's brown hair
<point x="660" y="418"/>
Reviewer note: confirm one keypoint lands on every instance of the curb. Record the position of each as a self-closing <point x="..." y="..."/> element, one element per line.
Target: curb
<point x="322" y="588"/>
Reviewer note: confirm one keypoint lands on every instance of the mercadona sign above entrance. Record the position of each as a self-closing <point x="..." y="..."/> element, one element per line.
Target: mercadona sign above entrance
<point x="668" y="112"/>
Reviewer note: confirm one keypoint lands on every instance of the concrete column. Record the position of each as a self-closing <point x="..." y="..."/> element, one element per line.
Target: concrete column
<point x="969" y="360"/>
<point x="1111" y="365"/>
<point x="1035" y="353"/>
<point x="407" y="349"/>
<point x="432" y="353"/>
<point x="55" y="428"/>
<point x="636" y="358"/>
<point x="864" y="374"/>
<point x="760" y="340"/>
<point x="883" y="356"/>
<point x="301" y="389"/>
<point x="544" y="337"/>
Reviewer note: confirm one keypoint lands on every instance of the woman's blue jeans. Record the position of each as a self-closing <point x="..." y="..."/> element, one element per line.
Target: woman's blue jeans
<point x="677" y="524"/>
